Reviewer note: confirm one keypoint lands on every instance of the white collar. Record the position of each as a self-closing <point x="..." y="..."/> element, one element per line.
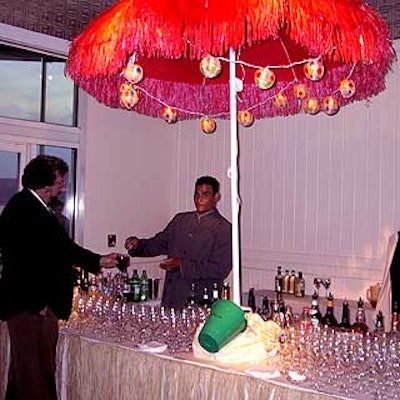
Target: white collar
<point x="40" y="199"/>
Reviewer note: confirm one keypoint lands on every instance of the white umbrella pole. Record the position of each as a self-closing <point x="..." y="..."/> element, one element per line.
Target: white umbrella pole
<point x="235" y="202"/>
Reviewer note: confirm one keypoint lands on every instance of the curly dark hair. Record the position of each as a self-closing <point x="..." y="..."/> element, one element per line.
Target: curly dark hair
<point x="208" y="180"/>
<point x="41" y="171"/>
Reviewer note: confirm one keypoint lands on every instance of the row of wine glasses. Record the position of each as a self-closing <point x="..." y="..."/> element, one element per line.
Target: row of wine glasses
<point x="325" y="282"/>
<point x="111" y="318"/>
<point x="359" y="366"/>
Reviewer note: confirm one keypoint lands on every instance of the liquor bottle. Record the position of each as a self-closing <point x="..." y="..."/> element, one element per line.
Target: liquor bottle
<point x="379" y="324"/>
<point x="329" y="317"/>
<point x="286" y="278"/>
<point x="315" y="314"/>
<point x="226" y="291"/>
<point x="299" y="285"/>
<point x="360" y="325"/>
<point x="205" y="300"/>
<point x="192" y="296"/>
<point x="279" y="283"/>
<point x="292" y="278"/>
<point x="345" y="322"/>
<point x="93" y="286"/>
<point x="275" y="312"/>
<point x="126" y="285"/>
<point x="135" y="286"/>
<point x="305" y="321"/>
<point x="215" y="293"/>
<point x="150" y="286"/>
<point x="144" y="286"/>
<point x="395" y="317"/>
<point x="289" y="317"/>
<point x="84" y="280"/>
<point x="282" y="313"/>
<point x="77" y="277"/>
<point x="265" y="311"/>
<point x="251" y="300"/>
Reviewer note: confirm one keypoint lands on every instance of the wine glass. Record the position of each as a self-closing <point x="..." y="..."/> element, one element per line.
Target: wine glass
<point x="326" y="283"/>
<point x="317" y="284"/>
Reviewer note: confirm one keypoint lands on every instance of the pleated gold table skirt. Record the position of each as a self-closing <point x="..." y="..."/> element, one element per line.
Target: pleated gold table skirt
<point x="88" y="369"/>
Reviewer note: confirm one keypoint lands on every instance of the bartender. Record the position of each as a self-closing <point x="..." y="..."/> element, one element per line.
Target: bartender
<point x="197" y="243"/>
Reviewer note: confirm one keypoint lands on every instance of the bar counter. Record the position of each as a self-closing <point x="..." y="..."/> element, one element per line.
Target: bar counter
<point x="89" y="369"/>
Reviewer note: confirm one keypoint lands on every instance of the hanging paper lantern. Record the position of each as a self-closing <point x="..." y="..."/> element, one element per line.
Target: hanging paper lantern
<point x="264" y="78"/>
<point x="133" y="72"/>
<point x="245" y="118"/>
<point x="311" y="105"/>
<point x="330" y="105"/>
<point x="347" y="88"/>
<point x="208" y="125"/>
<point x="300" y="91"/>
<point x="128" y="96"/>
<point x="210" y="66"/>
<point x="281" y="101"/>
<point x="314" y="70"/>
<point x="169" y="114"/>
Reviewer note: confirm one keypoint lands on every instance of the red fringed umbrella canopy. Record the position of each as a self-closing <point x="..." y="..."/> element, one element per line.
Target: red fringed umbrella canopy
<point x="168" y="38"/>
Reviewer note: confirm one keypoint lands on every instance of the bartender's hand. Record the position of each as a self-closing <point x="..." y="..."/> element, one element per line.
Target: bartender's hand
<point x="110" y="260"/>
<point x="171" y="264"/>
<point x="132" y="243"/>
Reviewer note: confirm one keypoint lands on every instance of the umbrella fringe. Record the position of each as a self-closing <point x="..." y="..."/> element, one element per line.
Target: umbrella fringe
<point x="193" y="101"/>
<point x="344" y="31"/>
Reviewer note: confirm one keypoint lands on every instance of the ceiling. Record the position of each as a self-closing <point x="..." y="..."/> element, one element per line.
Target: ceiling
<point x="66" y="18"/>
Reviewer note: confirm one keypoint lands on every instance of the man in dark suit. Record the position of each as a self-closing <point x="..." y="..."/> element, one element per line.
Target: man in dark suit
<point x="37" y="278"/>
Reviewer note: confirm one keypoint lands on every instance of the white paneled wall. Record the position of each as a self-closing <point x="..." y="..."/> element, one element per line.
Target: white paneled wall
<point x="319" y="194"/>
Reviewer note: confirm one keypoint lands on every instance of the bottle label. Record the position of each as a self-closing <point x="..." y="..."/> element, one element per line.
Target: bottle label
<point x="226" y="295"/>
<point x="314" y="319"/>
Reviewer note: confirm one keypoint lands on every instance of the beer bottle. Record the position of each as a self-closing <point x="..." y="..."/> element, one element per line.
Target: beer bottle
<point x="135" y="286"/>
<point x="144" y="286"/>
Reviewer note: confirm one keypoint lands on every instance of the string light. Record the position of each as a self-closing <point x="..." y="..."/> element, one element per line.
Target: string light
<point x="264" y="78"/>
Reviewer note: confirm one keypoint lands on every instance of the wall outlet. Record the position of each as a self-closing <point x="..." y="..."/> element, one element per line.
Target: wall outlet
<point x="112" y="240"/>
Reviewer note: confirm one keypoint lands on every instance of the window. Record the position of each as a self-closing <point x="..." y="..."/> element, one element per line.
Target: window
<point x="34" y="87"/>
<point x="38" y="115"/>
